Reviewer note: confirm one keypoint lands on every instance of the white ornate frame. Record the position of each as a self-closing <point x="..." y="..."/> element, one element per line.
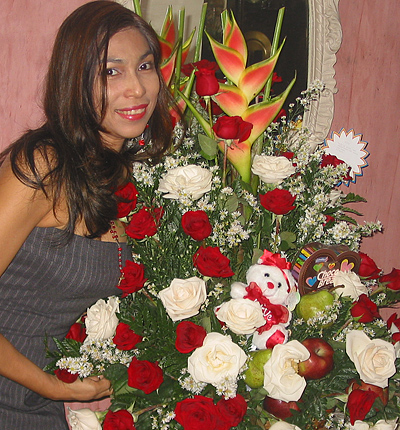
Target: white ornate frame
<point x="325" y="37"/>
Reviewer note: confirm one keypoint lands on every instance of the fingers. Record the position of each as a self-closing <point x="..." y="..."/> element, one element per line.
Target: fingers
<point x="103" y="386"/>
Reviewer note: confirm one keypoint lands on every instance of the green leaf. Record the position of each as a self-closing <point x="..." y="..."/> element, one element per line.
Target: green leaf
<point x="351" y="198"/>
<point x="118" y="375"/>
<point x="288" y="240"/>
<point x="232" y="203"/>
<point x="209" y="148"/>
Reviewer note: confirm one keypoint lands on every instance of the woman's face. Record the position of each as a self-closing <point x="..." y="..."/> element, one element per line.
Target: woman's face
<point x="132" y="87"/>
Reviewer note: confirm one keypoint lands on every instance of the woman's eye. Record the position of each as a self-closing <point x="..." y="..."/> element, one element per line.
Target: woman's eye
<point x="147" y="66"/>
<point x="111" y="72"/>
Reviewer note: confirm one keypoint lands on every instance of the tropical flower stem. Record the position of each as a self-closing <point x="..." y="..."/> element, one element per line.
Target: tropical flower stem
<point x="274" y="48"/>
<point x="137" y="8"/>
<point x="200" y="33"/>
<point x="181" y="27"/>
<point x="209" y="108"/>
<point x="225" y="163"/>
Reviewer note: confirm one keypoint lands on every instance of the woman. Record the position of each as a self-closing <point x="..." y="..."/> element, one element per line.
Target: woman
<point x="60" y="243"/>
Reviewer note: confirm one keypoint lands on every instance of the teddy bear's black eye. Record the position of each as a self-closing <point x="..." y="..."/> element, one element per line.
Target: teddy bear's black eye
<point x="266" y="274"/>
<point x="279" y="285"/>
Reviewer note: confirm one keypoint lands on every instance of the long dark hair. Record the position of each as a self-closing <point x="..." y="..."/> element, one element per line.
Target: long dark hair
<point x="77" y="164"/>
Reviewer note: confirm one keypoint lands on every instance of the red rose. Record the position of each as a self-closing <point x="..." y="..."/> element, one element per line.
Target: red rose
<point x="364" y="308"/>
<point x="210" y="262"/>
<point x="328" y="219"/>
<point x="206" y="81"/>
<point x="144" y="223"/>
<point x="276" y="77"/>
<point x="393" y="319"/>
<point x="144" y="375"/>
<point x="278" y="201"/>
<point x="133" y="278"/>
<point x="196" y="224"/>
<point x="368" y="268"/>
<point x="383" y="393"/>
<point x="77" y="332"/>
<point x="119" y="420"/>
<point x="125" y="338"/>
<point x="198" y="413"/>
<point x="127" y="199"/>
<point x="332" y="160"/>
<point x="66" y="376"/>
<point x="232" y="411"/>
<point x="189" y="336"/>
<point x="392" y="279"/>
<point x="395" y="338"/>
<point x="232" y="127"/>
<point x="359" y="404"/>
<point x="188" y="68"/>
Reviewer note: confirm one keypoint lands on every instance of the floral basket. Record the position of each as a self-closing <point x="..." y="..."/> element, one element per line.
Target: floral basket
<point x="211" y="331"/>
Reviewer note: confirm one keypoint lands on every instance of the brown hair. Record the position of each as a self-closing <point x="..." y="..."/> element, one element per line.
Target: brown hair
<point x="79" y="166"/>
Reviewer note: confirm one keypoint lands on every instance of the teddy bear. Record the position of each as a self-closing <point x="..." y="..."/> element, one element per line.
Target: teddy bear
<point x="270" y="283"/>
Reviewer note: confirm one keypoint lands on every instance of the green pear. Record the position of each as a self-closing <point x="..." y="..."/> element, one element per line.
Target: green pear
<point x="312" y="303"/>
<point x="254" y="375"/>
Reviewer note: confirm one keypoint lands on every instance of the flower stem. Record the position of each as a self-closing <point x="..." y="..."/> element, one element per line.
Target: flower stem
<point x="225" y="164"/>
<point x="200" y="32"/>
<point x="178" y="65"/>
<point x="274" y="48"/>
<point x="137" y="8"/>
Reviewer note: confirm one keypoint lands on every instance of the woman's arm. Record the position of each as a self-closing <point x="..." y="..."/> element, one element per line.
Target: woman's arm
<point x="21" y="209"/>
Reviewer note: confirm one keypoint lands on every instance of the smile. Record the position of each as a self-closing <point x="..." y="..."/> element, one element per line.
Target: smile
<point x="134" y="114"/>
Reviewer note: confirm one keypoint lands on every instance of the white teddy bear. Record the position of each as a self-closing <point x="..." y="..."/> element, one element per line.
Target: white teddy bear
<point x="270" y="283"/>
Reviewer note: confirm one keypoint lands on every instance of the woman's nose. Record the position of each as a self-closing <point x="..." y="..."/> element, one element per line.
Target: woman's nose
<point x="134" y="86"/>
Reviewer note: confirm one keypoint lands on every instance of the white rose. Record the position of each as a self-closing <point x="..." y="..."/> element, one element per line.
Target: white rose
<point x="242" y="316"/>
<point x="101" y="321"/>
<point x="351" y="285"/>
<point x="183" y="298"/>
<point x="218" y="359"/>
<point x="374" y="359"/>
<point x="272" y="169"/>
<point x="385" y="425"/>
<point x="282" y="425"/>
<point x="83" y="419"/>
<point x="186" y="180"/>
<point x="359" y="425"/>
<point x="281" y="379"/>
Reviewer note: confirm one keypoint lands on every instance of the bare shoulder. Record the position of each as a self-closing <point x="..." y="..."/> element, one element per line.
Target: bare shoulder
<point x="22" y="208"/>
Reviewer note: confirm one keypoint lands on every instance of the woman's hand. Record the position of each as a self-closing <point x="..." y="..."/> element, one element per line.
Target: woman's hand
<point x="91" y="388"/>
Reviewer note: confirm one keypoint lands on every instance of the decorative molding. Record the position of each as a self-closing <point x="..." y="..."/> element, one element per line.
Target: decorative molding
<point x="325" y="38"/>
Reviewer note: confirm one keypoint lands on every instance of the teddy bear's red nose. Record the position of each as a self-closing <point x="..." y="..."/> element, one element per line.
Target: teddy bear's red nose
<point x="270" y="285"/>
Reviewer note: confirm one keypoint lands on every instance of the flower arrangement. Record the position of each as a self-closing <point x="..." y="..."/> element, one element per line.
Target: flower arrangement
<point x="211" y="331"/>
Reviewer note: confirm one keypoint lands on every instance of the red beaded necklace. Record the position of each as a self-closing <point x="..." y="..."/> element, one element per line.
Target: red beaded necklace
<point x="114" y="235"/>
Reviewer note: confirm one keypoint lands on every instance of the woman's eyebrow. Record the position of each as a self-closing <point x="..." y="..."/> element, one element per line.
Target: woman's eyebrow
<point x="121" y="60"/>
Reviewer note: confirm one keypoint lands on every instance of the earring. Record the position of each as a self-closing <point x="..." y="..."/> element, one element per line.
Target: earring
<point x="141" y="140"/>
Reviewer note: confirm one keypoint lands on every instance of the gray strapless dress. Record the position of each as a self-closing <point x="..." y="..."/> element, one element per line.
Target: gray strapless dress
<point x="43" y="292"/>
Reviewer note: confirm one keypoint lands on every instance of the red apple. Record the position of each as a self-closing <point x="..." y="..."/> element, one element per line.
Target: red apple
<point x="279" y="408"/>
<point x="320" y="362"/>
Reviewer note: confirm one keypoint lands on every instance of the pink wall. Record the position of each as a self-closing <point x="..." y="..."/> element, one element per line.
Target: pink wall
<point x="27" y="32"/>
<point x="368" y="65"/>
<point x="368" y="79"/>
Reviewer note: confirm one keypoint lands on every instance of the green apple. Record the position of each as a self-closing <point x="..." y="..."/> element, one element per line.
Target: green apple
<point x="254" y="375"/>
<point x="312" y="303"/>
